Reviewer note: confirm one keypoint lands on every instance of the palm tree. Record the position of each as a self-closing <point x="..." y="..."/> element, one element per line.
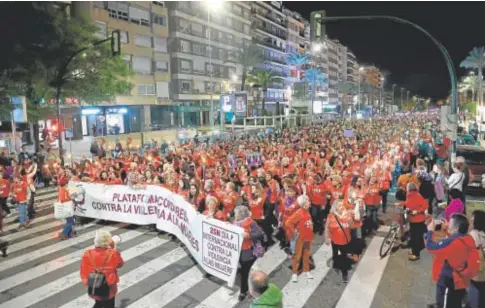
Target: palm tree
<point x="297" y="59"/>
<point x="248" y="56"/>
<point x="469" y="83"/>
<point x="261" y="79"/>
<point x="476" y="60"/>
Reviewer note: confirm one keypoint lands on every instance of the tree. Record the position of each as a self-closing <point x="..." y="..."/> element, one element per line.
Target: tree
<point x="248" y="56"/>
<point x="476" y="60"/>
<point x="38" y="63"/>
<point x="261" y="79"/>
<point x="469" y="83"/>
<point x="297" y="59"/>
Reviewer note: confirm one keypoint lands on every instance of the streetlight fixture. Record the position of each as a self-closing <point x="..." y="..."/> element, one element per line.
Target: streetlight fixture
<point x="393" y="98"/>
<point x="402" y="96"/>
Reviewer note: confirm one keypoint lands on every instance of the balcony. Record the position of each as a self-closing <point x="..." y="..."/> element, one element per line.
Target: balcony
<point x="275" y="60"/>
<point x="266" y="30"/>
<point x="268" y="43"/>
<point x="275" y="85"/>
<point x="269" y="17"/>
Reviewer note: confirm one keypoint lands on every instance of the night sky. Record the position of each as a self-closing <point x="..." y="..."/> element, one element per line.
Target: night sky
<point x="412" y="60"/>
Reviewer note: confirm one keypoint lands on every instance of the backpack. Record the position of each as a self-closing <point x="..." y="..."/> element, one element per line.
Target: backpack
<point x="97" y="283"/>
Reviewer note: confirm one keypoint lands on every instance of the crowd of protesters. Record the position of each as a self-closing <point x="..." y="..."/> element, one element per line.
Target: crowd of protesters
<point x="290" y="187"/>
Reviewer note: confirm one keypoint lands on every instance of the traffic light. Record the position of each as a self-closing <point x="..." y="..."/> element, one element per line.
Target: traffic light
<point x="116" y="42"/>
<point x="317" y="30"/>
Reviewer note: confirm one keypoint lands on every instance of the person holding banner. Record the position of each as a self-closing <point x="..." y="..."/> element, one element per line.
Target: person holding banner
<point x="252" y="236"/>
<point x="211" y="209"/>
<point x="68" y="229"/>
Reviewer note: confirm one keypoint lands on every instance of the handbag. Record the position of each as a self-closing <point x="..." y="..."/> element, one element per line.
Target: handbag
<point x="63" y="210"/>
<point x="97" y="283"/>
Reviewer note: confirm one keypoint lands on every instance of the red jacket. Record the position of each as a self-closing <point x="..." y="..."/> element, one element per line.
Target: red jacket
<point x="455" y="257"/>
<point x="300" y="221"/>
<point x="416" y="202"/>
<point x="99" y="256"/>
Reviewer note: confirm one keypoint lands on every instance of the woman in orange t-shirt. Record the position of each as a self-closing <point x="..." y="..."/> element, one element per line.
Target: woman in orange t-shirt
<point x="64" y="196"/>
<point x="372" y="200"/>
<point x="19" y="192"/>
<point x="337" y="234"/>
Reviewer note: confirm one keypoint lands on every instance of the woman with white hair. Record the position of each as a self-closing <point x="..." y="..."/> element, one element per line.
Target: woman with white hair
<point x="301" y="224"/>
<point x="253" y="236"/>
<point x="100" y="264"/>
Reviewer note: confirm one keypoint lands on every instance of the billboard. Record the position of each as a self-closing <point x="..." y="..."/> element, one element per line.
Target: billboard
<point x="240" y="103"/>
<point x="19" y="109"/>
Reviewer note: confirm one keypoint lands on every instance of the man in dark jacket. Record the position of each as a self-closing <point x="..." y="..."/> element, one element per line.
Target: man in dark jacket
<point x="266" y="295"/>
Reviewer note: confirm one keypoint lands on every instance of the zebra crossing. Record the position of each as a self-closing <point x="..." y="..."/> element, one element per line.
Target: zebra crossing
<point x="43" y="272"/>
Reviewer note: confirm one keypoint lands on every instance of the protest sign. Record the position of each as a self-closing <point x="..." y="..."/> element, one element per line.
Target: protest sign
<point x="216" y="245"/>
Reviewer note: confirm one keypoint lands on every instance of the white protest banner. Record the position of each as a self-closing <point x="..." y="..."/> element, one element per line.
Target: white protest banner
<point x="216" y="245"/>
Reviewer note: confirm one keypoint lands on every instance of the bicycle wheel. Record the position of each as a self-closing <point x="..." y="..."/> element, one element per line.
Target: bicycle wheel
<point x="388" y="242"/>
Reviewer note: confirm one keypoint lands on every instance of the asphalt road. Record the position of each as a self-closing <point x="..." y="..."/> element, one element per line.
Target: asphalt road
<point x="41" y="271"/>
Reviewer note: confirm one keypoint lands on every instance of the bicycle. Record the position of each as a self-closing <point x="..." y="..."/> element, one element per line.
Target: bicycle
<point x="397" y="227"/>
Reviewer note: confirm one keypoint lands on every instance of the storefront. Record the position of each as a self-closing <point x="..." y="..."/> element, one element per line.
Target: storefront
<point x="103" y="121"/>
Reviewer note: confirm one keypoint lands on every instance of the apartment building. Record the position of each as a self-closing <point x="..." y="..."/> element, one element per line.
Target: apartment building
<point x="203" y="45"/>
<point x="270" y="32"/>
<point x="144" y="34"/>
<point x="352" y="67"/>
<point x="372" y="76"/>
<point x="332" y="49"/>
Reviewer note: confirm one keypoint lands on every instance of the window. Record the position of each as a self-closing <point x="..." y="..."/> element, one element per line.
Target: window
<point x="237" y="9"/>
<point x="127" y="59"/>
<point x="198" y="49"/>
<point x="229" y="38"/>
<point x="142" y="40"/>
<point x="185" y="46"/>
<point x="183" y="24"/>
<point x="162" y="89"/>
<point x="199" y="65"/>
<point x="160" y="44"/>
<point x="101" y="29"/>
<point x="139" y="16"/>
<point x="124" y="37"/>
<point x="118" y="9"/>
<point x="161" y="66"/>
<point x="145" y="89"/>
<point x="159" y="19"/>
<point x="209" y="51"/>
<point x="184" y="66"/>
<point x="231" y="72"/>
<point x="142" y="65"/>
<point x="99" y="4"/>
<point x="229" y="21"/>
<point x="185" y="86"/>
<point x="246" y="28"/>
<point x="246" y="14"/>
<point x="159" y="3"/>
<point x="197" y="28"/>
<point x="209" y="68"/>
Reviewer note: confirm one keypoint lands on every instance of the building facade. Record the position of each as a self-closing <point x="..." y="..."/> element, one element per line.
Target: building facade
<point x="203" y="46"/>
<point x="144" y="34"/>
<point x="270" y="32"/>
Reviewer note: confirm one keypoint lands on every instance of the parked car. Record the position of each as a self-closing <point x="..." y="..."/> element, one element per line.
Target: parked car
<point x="475" y="159"/>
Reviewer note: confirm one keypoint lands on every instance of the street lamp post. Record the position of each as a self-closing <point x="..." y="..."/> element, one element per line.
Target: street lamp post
<point x="402" y="97"/>
<point x="380" y="96"/>
<point x="316" y="48"/>
<point x="359" y="94"/>
<point x="393" y="87"/>
<point x="449" y="62"/>
<point x="407" y="96"/>
<point x="211" y="5"/>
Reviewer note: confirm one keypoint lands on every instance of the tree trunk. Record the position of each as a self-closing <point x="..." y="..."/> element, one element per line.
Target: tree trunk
<point x="263" y="101"/>
<point x="243" y="77"/>
<point x="35" y="137"/>
<point x="480" y="95"/>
